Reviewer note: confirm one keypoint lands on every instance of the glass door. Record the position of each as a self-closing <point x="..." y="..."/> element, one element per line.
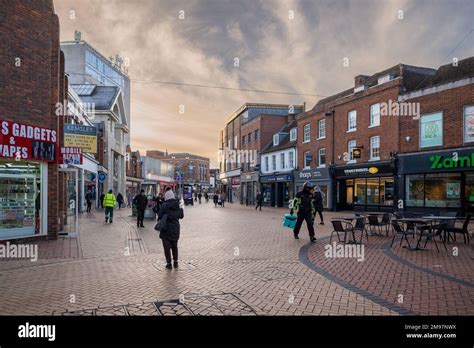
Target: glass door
<point x="71" y="224"/>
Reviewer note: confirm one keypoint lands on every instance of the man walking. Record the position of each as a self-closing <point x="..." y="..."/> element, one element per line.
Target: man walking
<point x="318" y="203"/>
<point x="259" y="201"/>
<point x="303" y="206"/>
<point x="109" y="204"/>
<point x="141" y="202"/>
<point x="89" y="201"/>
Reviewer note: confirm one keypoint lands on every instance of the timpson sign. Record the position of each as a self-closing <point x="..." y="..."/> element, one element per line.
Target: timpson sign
<point x="26" y="142"/>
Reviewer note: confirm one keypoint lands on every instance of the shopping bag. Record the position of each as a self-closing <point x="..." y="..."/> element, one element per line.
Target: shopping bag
<point x="289" y="221"/>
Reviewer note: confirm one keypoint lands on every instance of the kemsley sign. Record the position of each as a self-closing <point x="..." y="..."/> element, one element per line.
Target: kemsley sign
<point x="445" y="162"/>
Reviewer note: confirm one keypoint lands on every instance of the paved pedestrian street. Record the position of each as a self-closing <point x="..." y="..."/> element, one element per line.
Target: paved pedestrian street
<point x="233" y="261"/>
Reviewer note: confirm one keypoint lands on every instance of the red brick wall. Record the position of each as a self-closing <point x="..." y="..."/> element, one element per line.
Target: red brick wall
<point x="451" y="102"/>
<point x="29" y="30"/>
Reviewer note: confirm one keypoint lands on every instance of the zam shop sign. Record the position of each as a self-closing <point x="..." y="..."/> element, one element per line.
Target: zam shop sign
<point x="443" y="162"/>
<point x="25" y="142"/>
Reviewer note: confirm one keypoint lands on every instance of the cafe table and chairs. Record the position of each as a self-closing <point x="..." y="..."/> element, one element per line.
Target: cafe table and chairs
<point x="418" y="226"/>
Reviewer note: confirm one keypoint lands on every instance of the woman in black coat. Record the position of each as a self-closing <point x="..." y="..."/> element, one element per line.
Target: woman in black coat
<point x="318" y="203"/>
<point x="169" y="233"/>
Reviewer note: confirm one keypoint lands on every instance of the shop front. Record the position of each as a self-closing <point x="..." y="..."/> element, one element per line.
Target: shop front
<point x="317" y="177"/>
<point x="234" y="195"/>
<point x="437" y="181"/>
<point x="278" y="190"/>
<point x="250" y="186"/>
<point x="369" y="187"/>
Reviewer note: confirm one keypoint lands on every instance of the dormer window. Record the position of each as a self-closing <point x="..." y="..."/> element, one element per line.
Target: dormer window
<point x="385" y="78"/>
<point x="293" y="134"/>
<point x="276" y="138"/>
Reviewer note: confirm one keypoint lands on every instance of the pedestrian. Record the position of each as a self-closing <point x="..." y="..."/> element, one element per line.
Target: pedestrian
<point x="171" y="212"/>
<point x="109" y="203"/>
<point x="303" y="206"/>
<point x="120" y="200"/>
<point x="141" y="202"/>
<point x="158" y="203"/>
<point x="101" y="199"/>
<point x="199" y="197"/>
<point x="318" y="203"/>
<point x="223" y="197"/>
<point x="259" y="201"/>
<point x="215" y="199"/>
<point x="129" y="199"/>
<point x="89" y="201"/>
<point x="206" y="196"/>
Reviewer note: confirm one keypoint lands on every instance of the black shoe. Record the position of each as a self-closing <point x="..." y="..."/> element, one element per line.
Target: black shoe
<point x="313" y="239"/>
<point x="142" y="225"/>
<point x="106" y="220"/>
<point x="296" y="236"/>
<point x="175" y="264"/>
<point x="110" y="220"/>
<point x="168" y="266"/>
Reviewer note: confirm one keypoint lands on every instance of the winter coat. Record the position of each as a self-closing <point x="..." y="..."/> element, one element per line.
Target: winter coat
<point x="120" y="198"/>
<point x="215" y="199"/>
<point x="172" y="210"/>
<point x="140" y="202"/>
<point x="318" y="201"/>
<point x="259" y="198"/>
<point x="303" y="203"/>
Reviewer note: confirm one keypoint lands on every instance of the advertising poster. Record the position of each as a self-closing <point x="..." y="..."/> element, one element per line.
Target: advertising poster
<point x="84" y="137"/>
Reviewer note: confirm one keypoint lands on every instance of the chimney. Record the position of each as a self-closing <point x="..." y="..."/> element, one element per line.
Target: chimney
<point x="360" y="80"/>
<point x="77" y="35"/>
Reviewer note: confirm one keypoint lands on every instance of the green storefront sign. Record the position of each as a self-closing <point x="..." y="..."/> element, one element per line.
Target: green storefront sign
<point x="442" y="162"/>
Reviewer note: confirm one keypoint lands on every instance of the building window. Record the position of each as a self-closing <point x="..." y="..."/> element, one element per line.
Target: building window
<point x="243" y="140"/>
<point x="351" y="144"/>
<point x="375" y="115"/>
<point x="282" y="159"/>
<point x="256" y="134"/>
<point x="291" y="159"/>
<point x="431" y="130"/>
<point x="235" y="141"/>
<point x="375" y="148"/>
<point x="352" y="121"/>
<point x="322" y="157"/>
<point x="469" y="124"/>
<point x="433" y="190"/>
<point x="275" y="139"/>
<point x="321" y="129"/>
<point x="307" y="159"/>
<point x="267" y="165"/>
<point x="249" y="138"/>
<point x="293" y="134"/>
<point x="274" y="162"/>
<point x="306" y="133"/>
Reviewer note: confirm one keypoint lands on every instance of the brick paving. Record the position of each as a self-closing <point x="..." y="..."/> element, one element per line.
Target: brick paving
<point x="233" y="261"/>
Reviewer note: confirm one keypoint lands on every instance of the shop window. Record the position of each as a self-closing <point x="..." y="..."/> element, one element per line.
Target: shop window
<point x="373" y="191"/>
<point x="415" y="190"/>
<point x="374" y="115"/>
<point x="322" y="129"/>
<point x="387" y="191"/>
<point x="352" y="121"/>
<point x="431" y="130"/>
<point x="360" y="191"/>
<point x="443" y="190"/>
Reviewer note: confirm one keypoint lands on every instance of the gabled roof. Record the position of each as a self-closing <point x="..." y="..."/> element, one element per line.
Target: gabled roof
<point x="285" y="142"/>
<point x="102" y="96"/>
<point x="449" y="73"/>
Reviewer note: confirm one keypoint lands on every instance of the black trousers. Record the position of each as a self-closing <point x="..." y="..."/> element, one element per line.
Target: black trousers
<point x="140" y="216"/>
<point x="170" y="246"/>
<point x="321" y="215"/>
<point x="309" y="222"/>
<point x="89" y="206"/>
<point x="259" y="205"/>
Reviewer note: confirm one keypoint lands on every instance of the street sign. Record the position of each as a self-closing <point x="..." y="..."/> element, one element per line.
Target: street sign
<point x="102" y="176"/>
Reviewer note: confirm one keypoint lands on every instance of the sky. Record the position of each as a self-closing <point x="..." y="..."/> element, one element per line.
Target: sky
<point x="291" y="46"/>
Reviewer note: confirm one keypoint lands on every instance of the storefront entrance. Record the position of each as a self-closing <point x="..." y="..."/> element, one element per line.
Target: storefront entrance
<point x="70" y="221"/>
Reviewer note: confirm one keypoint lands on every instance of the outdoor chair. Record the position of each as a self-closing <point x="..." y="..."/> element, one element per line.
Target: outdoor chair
<point x="374" y="223"/>
<point x="436" y="231"/>
<point x="462" y="230"/>
<point x="400" y="231"/>
<point x="451" y="223"/>
<point x="386" y="218"/>
<point x="360" y="227"/>
<point x="341" y="226"/>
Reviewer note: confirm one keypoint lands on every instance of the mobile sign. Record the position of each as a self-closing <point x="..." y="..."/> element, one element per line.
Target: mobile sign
<point x="71" y="155"/>
<point x="26" y="142"/>
<point x="78" y="135"/>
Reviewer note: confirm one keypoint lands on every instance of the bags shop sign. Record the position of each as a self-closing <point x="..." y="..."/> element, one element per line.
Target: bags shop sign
<point x="25" y="142"/>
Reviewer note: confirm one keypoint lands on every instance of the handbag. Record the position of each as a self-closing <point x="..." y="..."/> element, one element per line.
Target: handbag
<point x="162" y="223"/>
<point x="289" y="221"/>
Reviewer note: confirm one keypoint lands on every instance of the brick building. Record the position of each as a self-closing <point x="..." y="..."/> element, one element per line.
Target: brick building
<point x="32" y="188"/>
<point x="436" y="162"/>
<point x="232" y="149"/>
<point x="134" y="171"/>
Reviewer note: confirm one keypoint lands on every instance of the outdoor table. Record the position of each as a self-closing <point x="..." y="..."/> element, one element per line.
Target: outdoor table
<point x="416" y="222"/>
<point x="348" y="217"/>
<point x="345" y="219"/>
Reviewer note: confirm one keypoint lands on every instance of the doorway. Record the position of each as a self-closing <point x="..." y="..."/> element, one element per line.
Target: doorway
<point x="71" y="222"/>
